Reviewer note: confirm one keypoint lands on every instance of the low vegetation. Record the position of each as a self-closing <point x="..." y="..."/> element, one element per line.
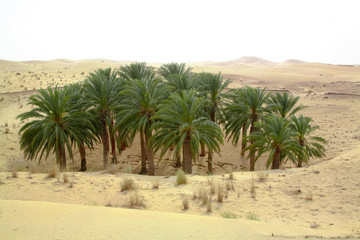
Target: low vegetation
<point x="181" y="177"/>
<point x="127" y="184"/>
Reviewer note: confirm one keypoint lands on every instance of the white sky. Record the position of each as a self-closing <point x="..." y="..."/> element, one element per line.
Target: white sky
<point x="181" y="30"/>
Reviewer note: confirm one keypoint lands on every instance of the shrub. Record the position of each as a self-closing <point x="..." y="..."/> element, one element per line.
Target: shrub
<point x="156" y="184"/>
<point x="252" y="216"/>
<point x="65" y="178"/>
<point x="212" y="189"/>
<point x="181" y="177"/>
<point x="53" y="171"/>
<point x="135" y="200"/>
<point x="208" y="206"/>
<point x="228" y="214"/>
<point x="262" y="176"/>
<point x="185" y="203"/>
<point x="309" y="196"/>
<point x="15" y="174"/>
<point x="220" y="193"/>
<point x="229" y="185"/>
<point x="127" y="184"/>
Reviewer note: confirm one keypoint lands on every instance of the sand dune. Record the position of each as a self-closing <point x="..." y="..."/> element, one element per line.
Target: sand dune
<point x="331" y="93"/>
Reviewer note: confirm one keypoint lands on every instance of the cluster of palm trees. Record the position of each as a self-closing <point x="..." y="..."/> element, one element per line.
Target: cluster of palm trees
<point x="169" y="109"/>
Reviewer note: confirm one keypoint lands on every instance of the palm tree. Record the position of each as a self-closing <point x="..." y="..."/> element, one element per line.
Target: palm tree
<point x="283" y="105"/>
<point x="174" y="68"/>
<point x="135" y="112"/>
<point x="212" y="87"/>
<point x="248" y="106"/>
<point x="55" y="120"/>
<point x="78" y="100"/>
<point x="137" y="70"/>
<point x="179" y="120"/>
<point x="275" y="136"/>
<point x="179" y="78"/>
<point x="132" y="74"/>
<point x="313" y="145"/>
<point x="101" y="88"/>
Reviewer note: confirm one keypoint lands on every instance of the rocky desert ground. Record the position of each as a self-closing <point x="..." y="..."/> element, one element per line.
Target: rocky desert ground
<point x="319" y="200"/>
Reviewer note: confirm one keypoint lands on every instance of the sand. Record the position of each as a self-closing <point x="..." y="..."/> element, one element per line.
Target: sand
<point x="321" y="199"/>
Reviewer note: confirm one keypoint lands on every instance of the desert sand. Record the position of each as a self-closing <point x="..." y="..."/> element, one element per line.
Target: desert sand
<point x="322" y="199"/>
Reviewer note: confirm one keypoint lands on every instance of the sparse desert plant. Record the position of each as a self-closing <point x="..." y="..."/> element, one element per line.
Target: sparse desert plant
<point x="228" y="214"/>
<point x="204" y="196"/>
<point x="252" y="189"/>
<point x="181" y="177"/>
<point x="229" y="185"/>
<point x="209" y="205"/>
<point x="231" y="175"/>
<point x="15" y="174"/>
<point x="33" y="168"/>
<point x="309" y="196"/>
<point x="262" y="176"/>
<point x="156" y="184"/>
<point x="7" y="131"/>
<point x="65" y="177"/>
<point x="212" y="189"/>
<point x="53" y="171"/>
<point x="135" y="200"/>
<point x="220" y="193"/>
<point x="185" y="203"/>
<point x="127" y="184"/>
<point x="252" y="216"/>
<point x="6" y="124"/>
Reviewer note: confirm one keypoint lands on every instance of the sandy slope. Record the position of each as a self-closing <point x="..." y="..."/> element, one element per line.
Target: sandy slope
<point x="332" y="96"/>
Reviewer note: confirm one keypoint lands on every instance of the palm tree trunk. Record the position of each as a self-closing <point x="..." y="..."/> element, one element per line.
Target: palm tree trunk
<point x="202" y="151"/>
<point x="300" y="160"/>
<point x="243" y="143"/>
<point x="178" y="161"/>
<point x="62" y="156"/>
<point x="149" y="154"/>
<point x="105" y="141"/>
<point x="143" y="153"/>
<point x="82" y="157"/>
<point x="187" y="156"/>
<point x="113" y="145"/>
<point x="276" y="160"/>
<point x="172" y="147"/>
<point x="210" y="158"/>
<point x="252" y="153"/>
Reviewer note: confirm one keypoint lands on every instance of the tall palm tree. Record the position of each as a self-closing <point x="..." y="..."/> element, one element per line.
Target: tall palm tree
<point x="174" y="68"/>
<point x="55" y="120"/>
<point x="132" y="73"/>
<point x="179" y="77"/>
<point x="313" y="145"/>
<point x="78" y="101"/>
<point x="283" y="105"/>
<point x="275" y="136"/>
<point x="179" y="120"/>
<point x="101" y="88"/>
<point x="135" y="113"/>
<point x="137" y="70"/>
<point x="212" y="87"/>
<point x="248" y="106"/>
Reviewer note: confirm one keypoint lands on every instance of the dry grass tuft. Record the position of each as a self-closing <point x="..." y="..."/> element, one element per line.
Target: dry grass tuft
<point x="209" y="205"/>
<point x="14" y="174"/>
<point x="228" y="214"/>
<point x="229" y="185"/>
<point x="7" y="131"/>
<point x="262" y="176"/>
<point x="111" y="169"/>
<point x="156" y="184"/>
<point x="53" y="171"/>
<point x="127" y="184"/>
<point x="212" y="189"/>
<point x="252" y="189"/>
<point x="231" y="175"/>
<point x="135" y="200"/>
<point x="65" y="177"/>
<point x="181" y="177"/>
<point x="220" y="193"/>
<point x="309" y="196"/>
<point x="185" y="203"/>
<point x="34" y="168"/>
<point x="252" y="216"/>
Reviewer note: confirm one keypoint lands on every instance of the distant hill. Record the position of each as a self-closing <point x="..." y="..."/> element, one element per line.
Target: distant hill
<point x="255" y="61"/>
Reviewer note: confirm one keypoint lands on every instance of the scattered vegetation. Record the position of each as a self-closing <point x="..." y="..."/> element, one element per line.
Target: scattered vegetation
<point x="127" y="184"/>
<point x="262" y="176"/>
<point x="228" y="214"/>
<point x="135" y="200"/>
<point x="185" y="203"/>
<point x="309" y="196"/>
<point x="252" y="216"/>
<point x="156" y="184"/>
<point x="181" y="177"/>
<point x="53" y="171"/>
<point x="65" y="177"/>
<point x="220" y="193"/>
